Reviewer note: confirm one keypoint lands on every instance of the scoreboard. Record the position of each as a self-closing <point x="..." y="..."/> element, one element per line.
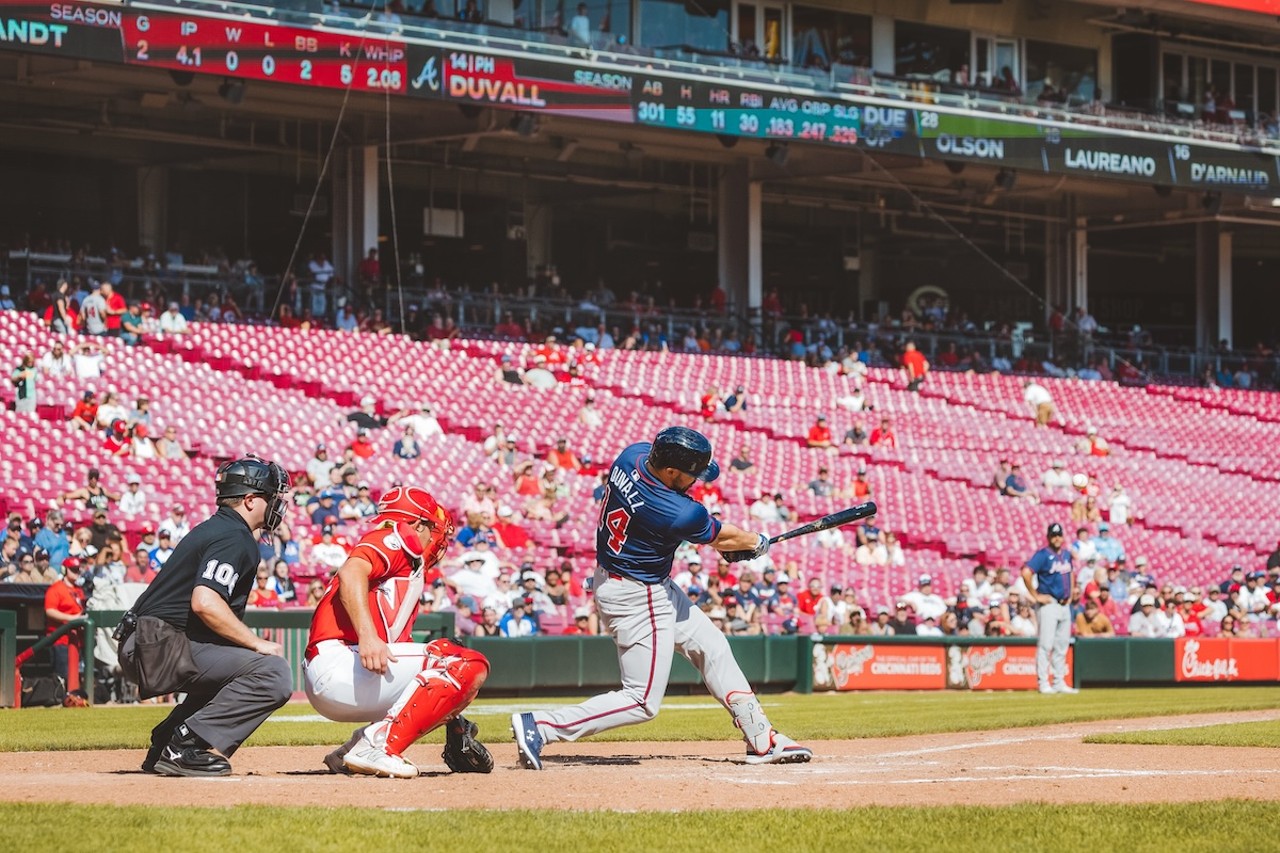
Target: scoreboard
<point x="713" y="107"/>
<point x="262" y="51"/>
<point x="334" y="55"/>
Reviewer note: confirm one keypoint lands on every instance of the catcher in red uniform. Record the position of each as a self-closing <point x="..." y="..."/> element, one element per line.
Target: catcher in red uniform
<point x="362" y="665"/>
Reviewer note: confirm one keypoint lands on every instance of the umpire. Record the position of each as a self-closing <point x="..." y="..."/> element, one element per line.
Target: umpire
<point x="185" y="632"/>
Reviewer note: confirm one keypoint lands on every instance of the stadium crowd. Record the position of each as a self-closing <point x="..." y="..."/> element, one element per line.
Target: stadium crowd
<point x="102" y="534"/>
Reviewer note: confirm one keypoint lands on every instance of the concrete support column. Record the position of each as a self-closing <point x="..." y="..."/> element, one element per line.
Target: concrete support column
<point x="1226" y="316"/>
<point x="732" y="235"/>
<point x="355" y="190"/>
<point x="755" y="245"/>
<point x="538" y="222"/>
<point x="1206" y="242"/>
<point x="1079" y="282"/>
<point x="153" y="208"/>
<point x="883" y="56"/>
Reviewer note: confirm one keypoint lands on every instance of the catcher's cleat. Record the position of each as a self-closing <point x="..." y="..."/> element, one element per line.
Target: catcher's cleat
<point x="783" y="750"/>
<point x="528" y="741"/>
<point x="367" y="760"/>
<point x="462" y="752"/>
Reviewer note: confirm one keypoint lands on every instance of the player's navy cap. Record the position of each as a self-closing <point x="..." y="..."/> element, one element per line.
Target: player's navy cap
<point x="1055" y="529"/>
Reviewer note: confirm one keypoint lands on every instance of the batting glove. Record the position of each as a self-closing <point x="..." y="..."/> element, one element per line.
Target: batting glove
<point x="762" y="548"/>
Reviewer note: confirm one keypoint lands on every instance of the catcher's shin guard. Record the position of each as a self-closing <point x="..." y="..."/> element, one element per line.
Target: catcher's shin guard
<point x="447" y="684"/>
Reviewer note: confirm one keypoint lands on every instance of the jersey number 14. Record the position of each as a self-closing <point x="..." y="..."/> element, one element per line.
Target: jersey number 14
<point x="616" y="522"/>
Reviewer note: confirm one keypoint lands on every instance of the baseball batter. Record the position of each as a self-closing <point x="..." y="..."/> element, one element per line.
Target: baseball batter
<point x="362" y="664"/>
<point x="644" y="517"/>
<point x="1049" y="577"/>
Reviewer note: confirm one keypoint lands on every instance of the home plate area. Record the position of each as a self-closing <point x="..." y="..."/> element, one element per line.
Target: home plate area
<point x="1045" y="764"/>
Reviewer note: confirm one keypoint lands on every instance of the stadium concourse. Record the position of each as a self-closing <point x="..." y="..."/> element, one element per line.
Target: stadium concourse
<point x="1198" y="465"/>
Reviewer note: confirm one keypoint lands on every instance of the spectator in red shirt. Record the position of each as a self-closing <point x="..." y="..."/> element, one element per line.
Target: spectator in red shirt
<point x="508" y="328"/>
<point x="809" y="598"/>
<point x="511" y="533"/>
<point x="772" y="305"/>
<point x="562" y="457"/>
<point x="915" y="365"/>
<point x="85" y="414"/>
<point x="370" y="270"/>
<point x="820" y="434"/>
<point x="883" y="435"/>
<point x="362" y="446"/>
<point x="64" y="601"/>
<point x="263" y="593"/>
<point x="118" y="442"/>
<point x="115" y="309"/>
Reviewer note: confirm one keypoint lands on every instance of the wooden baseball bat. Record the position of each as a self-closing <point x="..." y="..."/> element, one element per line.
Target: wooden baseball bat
<point x="844" y="516"/>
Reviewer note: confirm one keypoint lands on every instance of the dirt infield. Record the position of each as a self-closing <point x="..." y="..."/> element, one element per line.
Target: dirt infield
<point x="1048" y="764"/>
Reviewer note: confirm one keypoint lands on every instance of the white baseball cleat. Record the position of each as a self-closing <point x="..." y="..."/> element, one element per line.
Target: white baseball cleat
<point x="1063" y="687"/>
<point x="783" y="751"/>
<point x="368" y="760"/>
<point x="1046" y="689"/>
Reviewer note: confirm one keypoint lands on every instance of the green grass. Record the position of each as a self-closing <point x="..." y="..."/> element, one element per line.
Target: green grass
<point x="818" y="717"/>
<point x="1229" y="734"/>
<point x="1197" y="827"/>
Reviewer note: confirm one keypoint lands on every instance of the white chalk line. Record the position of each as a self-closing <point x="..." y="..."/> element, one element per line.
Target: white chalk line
<point x="499" y="710"/>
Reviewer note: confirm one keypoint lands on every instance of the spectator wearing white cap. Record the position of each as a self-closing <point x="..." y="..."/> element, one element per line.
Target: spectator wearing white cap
<point x="924" y="601"/>
<point x="423" y="422"/>
<point x="584" y="619"/>
<point x="319" y="466"/>
<point x="1057" y="478"/>
<point x="1148" y="621"/>
<point x="693" y="580"/>
<point x="469" y="581"/>
<point x="1120" y="506"/>
<point x="176" y="525"/>
<point x="872" y="551"/>
<point x="134" y="500"/>
<point x="531" y="590"/>
<point x="367" y="417"/>
<point x="172" y="322"/>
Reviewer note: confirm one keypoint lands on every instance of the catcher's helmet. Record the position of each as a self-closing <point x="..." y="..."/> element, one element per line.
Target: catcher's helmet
<point x="251" y="475"/>
<point x="685" y="450"/>
<point x="411" y="505"/>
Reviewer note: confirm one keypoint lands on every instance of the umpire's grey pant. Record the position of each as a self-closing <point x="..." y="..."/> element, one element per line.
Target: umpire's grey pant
<point x="1051" y="646"/>
<point x="233" y="692"/>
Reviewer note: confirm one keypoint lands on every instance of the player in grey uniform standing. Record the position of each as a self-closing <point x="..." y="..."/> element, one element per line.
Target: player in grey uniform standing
<point x="240" y="679"/>
<point x="1051" y="582"/>
<point x="644" y="516"/>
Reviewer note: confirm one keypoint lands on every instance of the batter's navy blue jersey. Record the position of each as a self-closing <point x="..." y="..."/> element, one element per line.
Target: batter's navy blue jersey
<point x="1053" y="572"/>
<point x="642" y="522"/>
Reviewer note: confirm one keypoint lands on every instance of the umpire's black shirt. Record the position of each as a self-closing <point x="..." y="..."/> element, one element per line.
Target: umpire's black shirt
<point x="219" y="553"/>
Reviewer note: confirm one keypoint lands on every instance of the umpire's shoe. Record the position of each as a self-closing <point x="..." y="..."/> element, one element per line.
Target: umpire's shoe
<point x="187" y="754"/>
<point x="528" y="741"/>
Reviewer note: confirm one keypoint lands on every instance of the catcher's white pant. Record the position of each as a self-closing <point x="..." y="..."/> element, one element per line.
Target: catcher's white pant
<point x="341" y="689"/>
<point x="648" y="622"/>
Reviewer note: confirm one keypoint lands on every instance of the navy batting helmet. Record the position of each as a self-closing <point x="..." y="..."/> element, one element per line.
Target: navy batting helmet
<point x="685" y="450"/>
<point x="251" y="475"/>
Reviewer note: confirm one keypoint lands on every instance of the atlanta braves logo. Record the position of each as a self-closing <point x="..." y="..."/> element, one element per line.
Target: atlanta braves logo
<point x="429" y="76"/>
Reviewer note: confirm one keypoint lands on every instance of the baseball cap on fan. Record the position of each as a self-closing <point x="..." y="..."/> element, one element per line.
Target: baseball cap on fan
<point x="1055" y="529"/>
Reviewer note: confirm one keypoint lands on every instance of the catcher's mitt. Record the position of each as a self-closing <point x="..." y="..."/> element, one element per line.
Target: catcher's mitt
<point x="462" y="752"/>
